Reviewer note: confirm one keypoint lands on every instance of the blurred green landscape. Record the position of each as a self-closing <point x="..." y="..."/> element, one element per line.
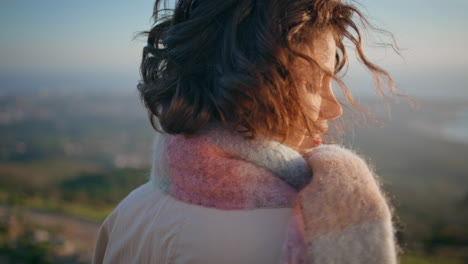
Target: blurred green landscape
<point x="67" y="158"/>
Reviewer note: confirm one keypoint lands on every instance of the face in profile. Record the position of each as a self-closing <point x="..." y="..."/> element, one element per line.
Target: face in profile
<point x="316" y="92"/>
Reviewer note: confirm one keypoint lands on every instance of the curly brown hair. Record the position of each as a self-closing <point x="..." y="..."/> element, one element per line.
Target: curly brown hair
<point x="231" y="61"/>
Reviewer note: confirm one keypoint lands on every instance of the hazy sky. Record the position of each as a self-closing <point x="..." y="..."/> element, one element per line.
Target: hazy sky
<point x="53" y="37"/>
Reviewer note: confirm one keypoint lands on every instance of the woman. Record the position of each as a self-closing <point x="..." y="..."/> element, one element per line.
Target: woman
<point x="240" y="92"/>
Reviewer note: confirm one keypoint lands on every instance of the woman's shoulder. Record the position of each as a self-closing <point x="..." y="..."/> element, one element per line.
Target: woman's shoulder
<point x="124" y="233"/>
<point x="137" y="195"/>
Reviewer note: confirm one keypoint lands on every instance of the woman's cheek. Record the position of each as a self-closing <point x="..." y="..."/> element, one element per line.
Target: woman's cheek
<point x="312" y="105"/>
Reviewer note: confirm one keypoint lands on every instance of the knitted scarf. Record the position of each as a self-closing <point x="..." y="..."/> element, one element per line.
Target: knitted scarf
<point x="340" y="214"/>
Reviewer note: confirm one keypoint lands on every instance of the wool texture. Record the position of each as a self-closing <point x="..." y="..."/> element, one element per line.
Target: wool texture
<point x="340" y="214"/>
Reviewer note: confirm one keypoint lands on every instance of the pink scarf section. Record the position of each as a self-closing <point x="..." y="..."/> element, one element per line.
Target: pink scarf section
<point x="218" y="168"/>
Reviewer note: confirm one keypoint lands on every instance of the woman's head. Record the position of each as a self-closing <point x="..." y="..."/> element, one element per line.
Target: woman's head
<point x="262" y="65"/>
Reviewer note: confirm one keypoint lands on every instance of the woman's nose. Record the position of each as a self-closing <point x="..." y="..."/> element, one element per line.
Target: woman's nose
<point x="330" y="108"/>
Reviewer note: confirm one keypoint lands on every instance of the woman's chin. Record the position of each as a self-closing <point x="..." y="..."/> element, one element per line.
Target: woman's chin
<point x="310" y="142"/>
<point x="317" y="139"/>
